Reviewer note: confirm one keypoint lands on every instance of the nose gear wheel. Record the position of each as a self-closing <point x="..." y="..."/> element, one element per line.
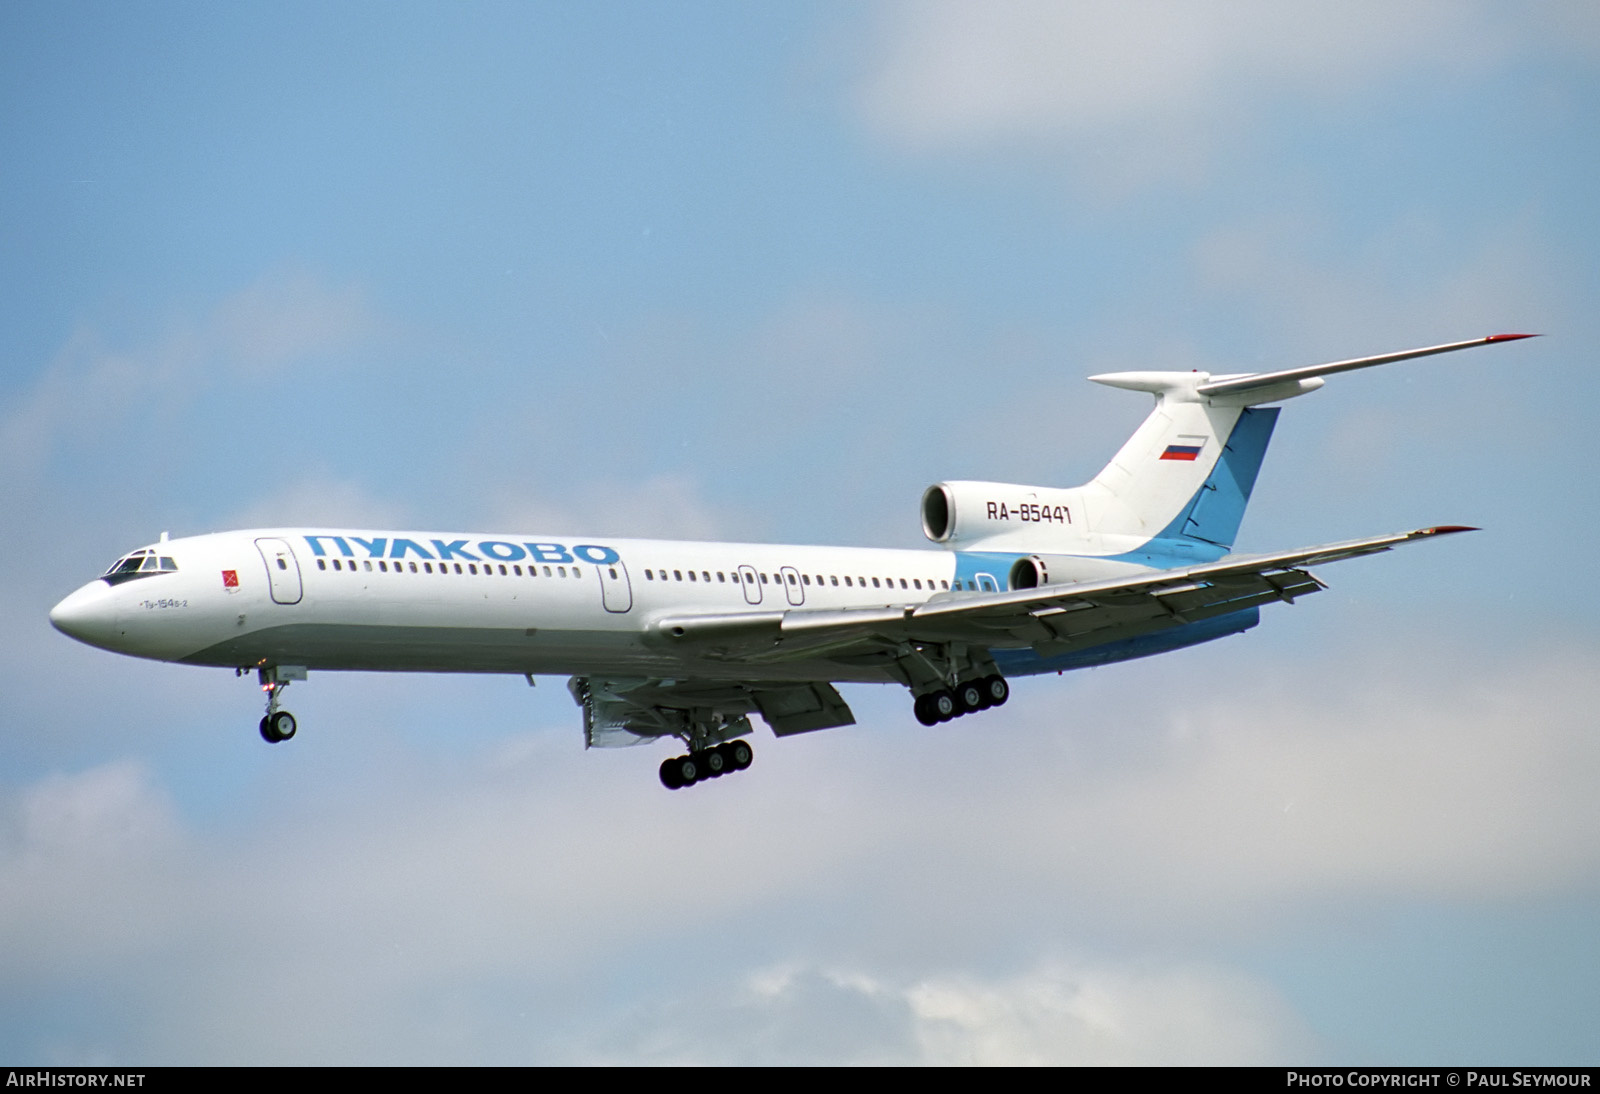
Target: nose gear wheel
<point x="278" y="726"/>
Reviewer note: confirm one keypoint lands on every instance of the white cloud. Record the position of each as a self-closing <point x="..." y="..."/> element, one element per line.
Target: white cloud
<point x="659" y="507"/>
<point x="1418" y="778"/>
<point x="1080" y="1012"/>
<point x="281" y="320"/>
<point x="1392" y="281"/>
<point x="319" y="499"/>
<point x="1152" y="88"/>
<point x="374" y="901"/>
<point x="1104" y="1014"/>
<point x="86" y="860"/>
<point x="955" y="73"/>
<point x="248" y="338"/>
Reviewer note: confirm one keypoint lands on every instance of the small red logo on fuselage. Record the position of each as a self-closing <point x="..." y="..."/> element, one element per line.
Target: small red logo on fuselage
<point x="230" y="579"/>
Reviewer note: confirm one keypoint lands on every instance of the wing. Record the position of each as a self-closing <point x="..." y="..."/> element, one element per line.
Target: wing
<point x="1052" y="619"/>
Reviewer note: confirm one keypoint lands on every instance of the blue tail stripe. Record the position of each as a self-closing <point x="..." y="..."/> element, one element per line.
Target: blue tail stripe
<point x="1205" y="529"/>
<point x="1218" y="507"/>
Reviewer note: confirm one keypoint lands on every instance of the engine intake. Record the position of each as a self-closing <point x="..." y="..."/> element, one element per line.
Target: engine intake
<point x="938" y="509"/>
<point x="965" y="512"/>
<point x="1029" y="573"/>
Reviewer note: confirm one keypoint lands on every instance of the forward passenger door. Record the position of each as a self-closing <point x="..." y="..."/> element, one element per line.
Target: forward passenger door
<point x="283" y="572"/>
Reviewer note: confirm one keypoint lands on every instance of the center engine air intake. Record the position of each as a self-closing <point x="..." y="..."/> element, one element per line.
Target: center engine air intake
<point x="964" y="513"/>
<point x="938" y="507"/>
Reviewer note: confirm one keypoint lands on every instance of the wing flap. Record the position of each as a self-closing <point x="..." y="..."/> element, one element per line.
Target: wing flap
<point x="803" y="708"/>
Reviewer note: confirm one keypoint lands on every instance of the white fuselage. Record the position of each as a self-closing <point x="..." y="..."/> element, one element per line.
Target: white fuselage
<point x="453" y="602"/>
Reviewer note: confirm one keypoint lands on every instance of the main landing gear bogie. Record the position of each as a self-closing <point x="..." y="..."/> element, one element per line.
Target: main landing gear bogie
<point x="967" y="697"/>
<point x="707" y="763"/>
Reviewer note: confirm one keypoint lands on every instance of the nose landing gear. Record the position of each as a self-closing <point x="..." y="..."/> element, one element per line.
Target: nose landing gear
<point x="277" y="725"/>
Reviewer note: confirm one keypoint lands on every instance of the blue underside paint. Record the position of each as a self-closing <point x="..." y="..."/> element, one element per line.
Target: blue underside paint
<point x="1029" y="663"/>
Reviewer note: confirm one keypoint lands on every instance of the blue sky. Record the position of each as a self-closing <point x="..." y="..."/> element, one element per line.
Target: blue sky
<point x="767" y="271"/>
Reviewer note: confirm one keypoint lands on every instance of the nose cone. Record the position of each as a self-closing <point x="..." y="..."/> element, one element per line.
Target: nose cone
<point x="89" y="615"/>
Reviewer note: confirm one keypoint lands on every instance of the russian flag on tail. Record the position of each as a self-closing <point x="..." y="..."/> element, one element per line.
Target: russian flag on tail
<point x="1181" y="452"/>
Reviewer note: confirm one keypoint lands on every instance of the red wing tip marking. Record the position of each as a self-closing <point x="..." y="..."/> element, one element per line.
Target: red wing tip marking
<point x="1446" y="529"/>
<point x="1508" y="337"/>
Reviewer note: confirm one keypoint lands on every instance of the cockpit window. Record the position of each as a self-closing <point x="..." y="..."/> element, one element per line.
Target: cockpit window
<point x="145" y="563"/>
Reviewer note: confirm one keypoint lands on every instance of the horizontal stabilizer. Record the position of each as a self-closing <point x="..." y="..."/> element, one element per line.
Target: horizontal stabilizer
<point x="1233" y="385"/>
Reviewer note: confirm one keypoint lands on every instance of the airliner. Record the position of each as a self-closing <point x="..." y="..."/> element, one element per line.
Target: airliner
<point x="686" y="640"/>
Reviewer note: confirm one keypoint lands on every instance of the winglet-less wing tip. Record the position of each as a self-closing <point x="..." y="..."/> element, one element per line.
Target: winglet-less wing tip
<point x="1445" y="530"/>
<point x="1508" y="337"/>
